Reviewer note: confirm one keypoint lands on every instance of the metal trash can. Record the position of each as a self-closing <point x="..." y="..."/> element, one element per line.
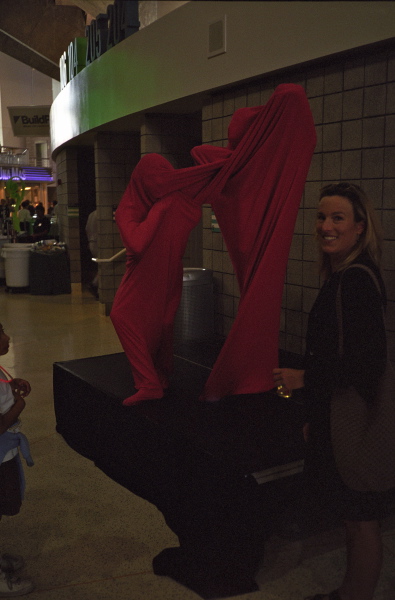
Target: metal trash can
<point x="16" y="260"/>
<point x="194" y="319"/>
<point x="49" y="268"/>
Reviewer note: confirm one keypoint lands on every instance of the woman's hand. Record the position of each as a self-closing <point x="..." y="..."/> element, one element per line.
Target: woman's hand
<point x="20" y="387"/>
<point x="292" y="379"/>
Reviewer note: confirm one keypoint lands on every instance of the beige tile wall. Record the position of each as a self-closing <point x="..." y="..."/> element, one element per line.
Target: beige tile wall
<point x="115" y="157"/>
<point x="353" y="104"/>
<point x="173" y="136"/>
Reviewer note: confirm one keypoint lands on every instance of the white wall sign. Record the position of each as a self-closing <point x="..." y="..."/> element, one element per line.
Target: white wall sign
<point x="29" y="120"/>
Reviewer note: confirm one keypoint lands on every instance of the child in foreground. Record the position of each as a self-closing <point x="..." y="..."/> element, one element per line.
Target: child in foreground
<point x="12" y="402"/>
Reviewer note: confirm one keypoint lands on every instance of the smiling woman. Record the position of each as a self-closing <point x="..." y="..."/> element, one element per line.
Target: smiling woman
<point x="347" y="235"/>
<point x="346" y="225"/>
<point x="337" y="230"/>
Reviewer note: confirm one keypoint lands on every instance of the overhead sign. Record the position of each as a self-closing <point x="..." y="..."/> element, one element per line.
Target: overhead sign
<point x="108" y="29"/>
<point x="29" y="120"/>
<point x="26" y="173"/>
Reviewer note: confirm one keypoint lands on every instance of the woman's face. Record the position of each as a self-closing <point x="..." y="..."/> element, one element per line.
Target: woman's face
<point x="336" y="227"/>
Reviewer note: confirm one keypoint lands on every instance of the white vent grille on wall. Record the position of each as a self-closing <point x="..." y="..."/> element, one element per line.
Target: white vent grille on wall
<point x="217" y="37"/>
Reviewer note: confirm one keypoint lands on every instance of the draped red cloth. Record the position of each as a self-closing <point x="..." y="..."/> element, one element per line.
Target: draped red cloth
<point x="155" y="218"/>
<point x="254" y="186"/>
<point x="256" y="210"/>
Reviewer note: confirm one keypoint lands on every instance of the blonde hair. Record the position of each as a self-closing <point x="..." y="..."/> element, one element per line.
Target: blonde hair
<point x="370" y="240"/>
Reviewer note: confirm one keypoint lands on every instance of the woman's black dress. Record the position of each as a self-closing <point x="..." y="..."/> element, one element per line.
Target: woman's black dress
<point x="361" y="365"/>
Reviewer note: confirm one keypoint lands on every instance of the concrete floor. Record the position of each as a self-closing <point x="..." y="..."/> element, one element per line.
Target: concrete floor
<point x="83" y="536"/>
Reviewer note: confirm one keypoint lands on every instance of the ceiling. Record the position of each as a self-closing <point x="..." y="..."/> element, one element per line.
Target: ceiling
<point x="37" y="32"/>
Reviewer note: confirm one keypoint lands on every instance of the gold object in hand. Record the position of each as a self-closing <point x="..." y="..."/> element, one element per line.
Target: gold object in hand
<point x="284" y="392"/>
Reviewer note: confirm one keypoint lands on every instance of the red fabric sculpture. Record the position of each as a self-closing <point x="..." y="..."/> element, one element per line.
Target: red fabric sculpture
<point x="254" y="186"/>
<point x="155" y="217"/>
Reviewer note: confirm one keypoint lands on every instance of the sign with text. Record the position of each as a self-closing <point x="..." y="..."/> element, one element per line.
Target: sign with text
<point x="29" y="120"/>
<point x="26" y="173"/>
<point x="104" y="32"/>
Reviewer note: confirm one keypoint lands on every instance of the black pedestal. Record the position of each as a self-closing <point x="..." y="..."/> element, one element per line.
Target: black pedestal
<point x="215" y="471"/>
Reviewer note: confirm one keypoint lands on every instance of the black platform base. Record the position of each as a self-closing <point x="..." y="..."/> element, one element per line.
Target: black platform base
<point x="219" y="472"/>
<point x="17" y="290"/>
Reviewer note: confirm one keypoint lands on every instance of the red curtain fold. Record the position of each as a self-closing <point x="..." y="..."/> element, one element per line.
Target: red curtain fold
<point x="254" y="186"/>
<point x="256" y="198"/>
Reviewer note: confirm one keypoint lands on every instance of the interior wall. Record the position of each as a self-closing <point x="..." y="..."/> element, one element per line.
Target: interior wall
<point x="115" y="157"/>
<point x="353" y="103"/>
<point x="170" y="61"/>
<point x="98" y="175"/>
<point x="173" y="136"/>
<point x="20" y="85"/>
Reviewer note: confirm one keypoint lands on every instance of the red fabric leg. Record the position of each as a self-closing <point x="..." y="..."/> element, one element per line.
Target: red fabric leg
<point x="135" y="344"/>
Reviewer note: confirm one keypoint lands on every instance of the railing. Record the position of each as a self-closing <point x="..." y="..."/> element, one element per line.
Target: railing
<point x="107" y="260"/>
<point x="20" y="156"/>
<point x="14" y="156"/>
